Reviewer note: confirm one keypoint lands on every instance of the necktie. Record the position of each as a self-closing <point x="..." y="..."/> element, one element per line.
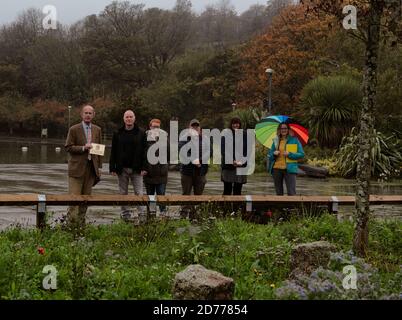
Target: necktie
<point x="89" y="140"/>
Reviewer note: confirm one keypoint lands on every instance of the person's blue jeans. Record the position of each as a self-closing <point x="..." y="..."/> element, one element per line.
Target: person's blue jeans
<point x="159" y="189"/>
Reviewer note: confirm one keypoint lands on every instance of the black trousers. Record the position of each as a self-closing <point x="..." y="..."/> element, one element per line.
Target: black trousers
<point x="230" y="188"/>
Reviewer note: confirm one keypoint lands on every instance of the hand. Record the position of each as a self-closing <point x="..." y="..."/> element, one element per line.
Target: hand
<point x="144" y="173"/>
<point x="237" y="163"/>
<point x="88" y="146"/>
<point x="285" y="153"/>
<point x="100" y="172"/>
<point x="197" y="163"/>
<point x="277" y="153"/>
<point x="114" y="174"/>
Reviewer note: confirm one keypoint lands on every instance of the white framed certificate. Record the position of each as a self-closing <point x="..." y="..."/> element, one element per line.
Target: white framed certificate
<point x="97" y="149"/>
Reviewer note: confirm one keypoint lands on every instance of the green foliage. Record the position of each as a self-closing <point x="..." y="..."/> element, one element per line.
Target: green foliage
<point x="318" y="152"/>
<point x="249" y="117"/>
<point x="388" y="113"/>
<point x="329" y="107"/>
<point x="199" y="85"/>
<point x="330" y="164"/>
<point x="122" y="261"/>
<point x="385" y="155"/>
<point x="260" y="158"/>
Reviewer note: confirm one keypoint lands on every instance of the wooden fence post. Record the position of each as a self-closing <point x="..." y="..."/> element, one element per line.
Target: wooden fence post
<point x="41" y="212"/>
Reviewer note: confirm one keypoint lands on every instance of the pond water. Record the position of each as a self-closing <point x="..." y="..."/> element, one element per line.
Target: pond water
<point x="42" y="169"/>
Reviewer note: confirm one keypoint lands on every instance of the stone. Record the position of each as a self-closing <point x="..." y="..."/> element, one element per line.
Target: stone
<point x="198" y="283"/>
<point x="307" y="257"/>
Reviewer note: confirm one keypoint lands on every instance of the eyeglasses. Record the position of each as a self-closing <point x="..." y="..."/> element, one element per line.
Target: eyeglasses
<point x="284" y="129"/>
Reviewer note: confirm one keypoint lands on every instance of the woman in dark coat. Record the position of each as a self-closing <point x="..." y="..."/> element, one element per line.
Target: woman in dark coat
<point x="157" y="174"/>
<point x="233" y="183"/>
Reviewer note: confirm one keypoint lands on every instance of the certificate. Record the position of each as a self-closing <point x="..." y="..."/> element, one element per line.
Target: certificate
<point x="97" y="149"/>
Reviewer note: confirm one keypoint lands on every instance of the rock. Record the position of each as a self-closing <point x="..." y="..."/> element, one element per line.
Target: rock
<point x="198" y="283"/>
<point x="307" y="257"/>
<point x="315" y="172"/>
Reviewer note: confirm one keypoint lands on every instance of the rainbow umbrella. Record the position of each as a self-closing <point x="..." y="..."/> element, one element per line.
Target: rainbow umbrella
<point x="265" y="130"/>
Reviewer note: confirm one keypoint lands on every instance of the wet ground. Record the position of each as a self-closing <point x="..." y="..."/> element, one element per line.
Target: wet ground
<point x="52" y="179"/>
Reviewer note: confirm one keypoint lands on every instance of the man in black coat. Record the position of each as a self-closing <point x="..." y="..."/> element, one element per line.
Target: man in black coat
<point x="128" y="159"/>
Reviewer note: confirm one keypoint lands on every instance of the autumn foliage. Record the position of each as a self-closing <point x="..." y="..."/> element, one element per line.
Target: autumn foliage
<point x="290" y="47"/>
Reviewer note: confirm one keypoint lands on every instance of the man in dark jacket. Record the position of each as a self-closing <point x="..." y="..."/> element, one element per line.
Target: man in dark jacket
<point x="128" y="159"/>
<point x="157" y="174"/>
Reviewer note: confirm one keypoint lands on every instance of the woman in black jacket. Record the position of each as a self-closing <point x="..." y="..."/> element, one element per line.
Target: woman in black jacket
<point x="233" y="183"/>
<point x="157" y="174"/>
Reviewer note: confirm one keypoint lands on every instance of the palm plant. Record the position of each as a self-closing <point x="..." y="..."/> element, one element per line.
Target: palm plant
<point x="249" y="117"/>
<point x="329" y="108"/>
<point x="386" y="156"/>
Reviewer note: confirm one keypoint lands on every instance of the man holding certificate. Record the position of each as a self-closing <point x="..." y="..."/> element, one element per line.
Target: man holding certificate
<point x="85" y="162"/>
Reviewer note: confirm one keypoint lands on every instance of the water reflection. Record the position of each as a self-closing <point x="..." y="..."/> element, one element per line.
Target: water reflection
<point x="37" y="152"/>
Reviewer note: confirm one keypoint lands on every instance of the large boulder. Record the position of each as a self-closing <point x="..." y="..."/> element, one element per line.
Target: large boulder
<point x="307" y="257"/>
<point x="198" y="283"/>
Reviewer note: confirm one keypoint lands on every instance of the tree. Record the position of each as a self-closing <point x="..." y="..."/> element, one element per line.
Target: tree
<point x="129" y="47"/>
<point x="377" y="19"/>
<point x="330" y="108"/>
<point x="203" y="85"/>
<point x="289" y="47"/>
<point x="217" y="25"/>
<point x="13" y="109"/>
<point x="388" y="113"/>
<point x="254" y="21"/>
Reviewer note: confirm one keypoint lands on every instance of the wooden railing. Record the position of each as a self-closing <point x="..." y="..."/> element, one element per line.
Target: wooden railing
<point x="41" y="201"/>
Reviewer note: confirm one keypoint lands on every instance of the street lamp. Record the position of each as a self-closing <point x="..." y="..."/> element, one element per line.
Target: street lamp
<point x="69" y="116"/>
<point x="269" y="73"/>
<point x="234" y="106"/>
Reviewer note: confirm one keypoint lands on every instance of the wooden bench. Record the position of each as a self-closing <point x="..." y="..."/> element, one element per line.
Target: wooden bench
<point x="42" y="201"/>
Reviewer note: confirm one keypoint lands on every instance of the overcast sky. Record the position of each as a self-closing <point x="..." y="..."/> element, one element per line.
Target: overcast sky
<point x="70" y="11"/>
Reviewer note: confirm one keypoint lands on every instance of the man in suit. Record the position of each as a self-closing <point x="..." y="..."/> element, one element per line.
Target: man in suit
<point x="83" y="168"/>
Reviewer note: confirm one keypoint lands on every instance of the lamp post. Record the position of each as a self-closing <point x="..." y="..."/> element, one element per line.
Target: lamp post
<point x="69" y="116"/>
<point x="269" y="73"/>
<point x="234" y="106"/>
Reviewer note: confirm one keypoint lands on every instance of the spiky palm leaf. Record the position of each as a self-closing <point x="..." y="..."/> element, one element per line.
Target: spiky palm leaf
<point x="386" y="156"/>
<point x="329" y="108"/>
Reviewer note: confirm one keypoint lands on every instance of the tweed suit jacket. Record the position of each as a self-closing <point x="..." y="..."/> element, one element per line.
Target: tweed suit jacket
<point x="78" y="158"/>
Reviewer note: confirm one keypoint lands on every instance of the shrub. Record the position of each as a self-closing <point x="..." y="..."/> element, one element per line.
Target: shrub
<point x="385" y="156"/>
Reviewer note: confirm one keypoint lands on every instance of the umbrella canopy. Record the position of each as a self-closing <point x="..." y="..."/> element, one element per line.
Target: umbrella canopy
<point x="266" y="129"/>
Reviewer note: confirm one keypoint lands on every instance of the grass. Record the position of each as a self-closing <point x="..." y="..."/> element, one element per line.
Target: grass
<point x="121" y="261"/>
